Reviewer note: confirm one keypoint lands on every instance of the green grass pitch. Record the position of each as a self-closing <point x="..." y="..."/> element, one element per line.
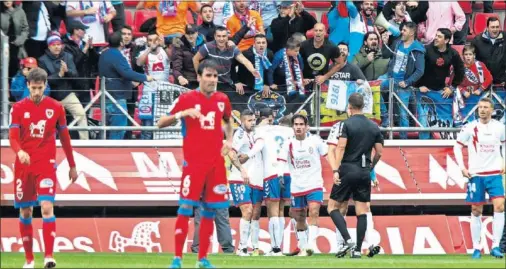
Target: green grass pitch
<point x="130" y="260"/>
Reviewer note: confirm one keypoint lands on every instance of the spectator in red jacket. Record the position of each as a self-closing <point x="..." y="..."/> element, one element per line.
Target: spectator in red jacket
<point x="477" y="79"/>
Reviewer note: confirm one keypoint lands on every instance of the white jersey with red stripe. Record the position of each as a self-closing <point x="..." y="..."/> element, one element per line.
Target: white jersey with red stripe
<point x="483" y="143"/>
<point x="304" y="161"/>
<point x="242" y="143"/>
<point x="281" y="135"/>
<point x="158" y="66"/>
<point x="269" y="151"/>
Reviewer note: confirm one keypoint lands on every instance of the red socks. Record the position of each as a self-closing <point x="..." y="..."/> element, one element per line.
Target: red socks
<point x="26" y="231"/>
<point x="180" y="234"/>
<point x="205" y="233"/>
<point x="49" y="234"/>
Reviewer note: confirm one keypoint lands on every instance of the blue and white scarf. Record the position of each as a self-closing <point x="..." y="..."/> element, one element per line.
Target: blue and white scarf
<point x="88" y="19"/>
<point x="290" y="72"/>
<point x="262" y="63"/>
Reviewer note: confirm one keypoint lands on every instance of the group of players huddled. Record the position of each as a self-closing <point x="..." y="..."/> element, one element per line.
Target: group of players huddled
<point x="271" y="163"/>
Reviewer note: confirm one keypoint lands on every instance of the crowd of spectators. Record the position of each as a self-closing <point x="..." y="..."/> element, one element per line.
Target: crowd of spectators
<point x="264" y="49"/>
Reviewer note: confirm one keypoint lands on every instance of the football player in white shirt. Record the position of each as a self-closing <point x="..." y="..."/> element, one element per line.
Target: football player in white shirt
<point x="332" y="140"/>
<point x="484" y="139"/>
<point x="266" y="146"/>
<point x="239" y="187"/>
<point x="303" y="155"/>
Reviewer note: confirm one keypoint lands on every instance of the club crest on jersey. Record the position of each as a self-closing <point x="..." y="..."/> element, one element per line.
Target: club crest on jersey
<point x="221" y="106"/>
<point x="310" y="150"/>
<point x="220" y="189"/>
<point x="27" y="115"/>
<point x="49" y="113"/>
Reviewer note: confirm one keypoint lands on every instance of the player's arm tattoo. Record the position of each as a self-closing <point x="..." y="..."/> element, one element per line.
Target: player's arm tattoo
<point x="341" y="145"/>
<point x="234" y="159"/>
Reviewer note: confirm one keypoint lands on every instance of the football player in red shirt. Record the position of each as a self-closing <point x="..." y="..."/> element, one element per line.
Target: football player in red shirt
<point x="35" y="121"/>
<point x="204" y="173"/>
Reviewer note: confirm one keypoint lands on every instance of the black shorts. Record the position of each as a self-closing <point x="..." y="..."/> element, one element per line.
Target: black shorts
<point x="355" y="183"/>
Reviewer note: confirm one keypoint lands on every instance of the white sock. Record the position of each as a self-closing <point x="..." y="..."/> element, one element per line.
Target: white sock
<point x="274" y="231"/>
<point x="302" y="235"/>
<point x="244" y="231"/>
<point x="313" y="233"/>
<point x="255" y="231"/>
<point x="281" y="229"/>
<point x="370" y="228"/>
<point x="476" y="231"/>
<point x="339" y="238"/>
<point x="497" y="228"/>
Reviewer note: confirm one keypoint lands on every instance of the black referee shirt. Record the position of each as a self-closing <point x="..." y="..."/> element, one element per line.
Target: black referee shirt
<point x="362" y="134"/>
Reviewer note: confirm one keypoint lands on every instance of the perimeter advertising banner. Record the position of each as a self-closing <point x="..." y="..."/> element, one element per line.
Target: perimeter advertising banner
<point x="424" y="235"/>
<point x="146" y="175"/>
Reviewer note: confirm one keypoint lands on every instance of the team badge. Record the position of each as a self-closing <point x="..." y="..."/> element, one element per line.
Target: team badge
<point x="310" y="150"/>
<point x="49" y="113"/>
<point x="27" y="115"/>
<point x="221" y="106"/>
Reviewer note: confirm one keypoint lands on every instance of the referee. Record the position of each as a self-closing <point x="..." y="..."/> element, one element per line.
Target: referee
<point x="352" y="168"/>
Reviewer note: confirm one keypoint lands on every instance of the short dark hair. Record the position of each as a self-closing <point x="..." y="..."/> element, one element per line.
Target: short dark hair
<point x="37" y="75"/>
<point x="220" y="28"/>
<point x="492" y="19"/>
<point x="343" y="43"/>
<point x="265" y="112"/>
<point x="446" y="33"/>
<point x="260" y="36"/>
<point x="115" y="40"/>
<point x="292" y="44"/>
<point x="247" y="112"/>
<point x="488" y="100"/>
<point x="207" y="64"/>
<point x="410" y="25"/>
<point x="299" y="116"/>
<point x="127" y="27"/>
<point x="356" y="101"/>
<point x="204" y="6"/>
<point x="370" y="33"/>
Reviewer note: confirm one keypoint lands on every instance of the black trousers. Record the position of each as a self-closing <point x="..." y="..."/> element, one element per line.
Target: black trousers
<point x="119" y="19"/>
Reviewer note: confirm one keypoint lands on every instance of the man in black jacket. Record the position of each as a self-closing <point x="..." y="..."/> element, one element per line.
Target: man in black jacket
<point x="207" y="27"/>
<point x="292" y="19"/>
<point x="82" y="51"/>
<point x="491" y="50"/>
<point x="261" y="57"/>
<point x="61" y="69"/>
<point x="439" y="57"/>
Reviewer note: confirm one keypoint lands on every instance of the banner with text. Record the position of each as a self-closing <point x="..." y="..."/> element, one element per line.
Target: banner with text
<point x="419" y="235"/>
<point x="140" y="176"/>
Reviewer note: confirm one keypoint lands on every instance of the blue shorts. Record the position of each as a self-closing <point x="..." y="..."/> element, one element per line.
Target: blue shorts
<point x="285" y="190"/>
<point x="257" y="196"/>
<point x="477" y="186"/>
<point x="241" y="194"/>
<point x="272" y="189"/>
<point x="301" y="202"/>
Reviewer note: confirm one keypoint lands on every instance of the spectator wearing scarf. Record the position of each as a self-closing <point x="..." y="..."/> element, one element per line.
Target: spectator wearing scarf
<point x="261" y="57"/>
<point x="286" y="69"/>
<point x="477" y="79"/>
<point x="242" y="16"/>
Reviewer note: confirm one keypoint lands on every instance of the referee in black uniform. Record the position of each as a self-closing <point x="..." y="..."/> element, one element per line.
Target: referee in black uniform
<point x="357" y="137"/>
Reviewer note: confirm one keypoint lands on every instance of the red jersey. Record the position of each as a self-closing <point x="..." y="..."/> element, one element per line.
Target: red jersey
<point x="37" y="127"/>
<point x="203" y="138"/>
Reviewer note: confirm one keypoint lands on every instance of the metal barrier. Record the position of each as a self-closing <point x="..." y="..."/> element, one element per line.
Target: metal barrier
<point x="315" y="97"/>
